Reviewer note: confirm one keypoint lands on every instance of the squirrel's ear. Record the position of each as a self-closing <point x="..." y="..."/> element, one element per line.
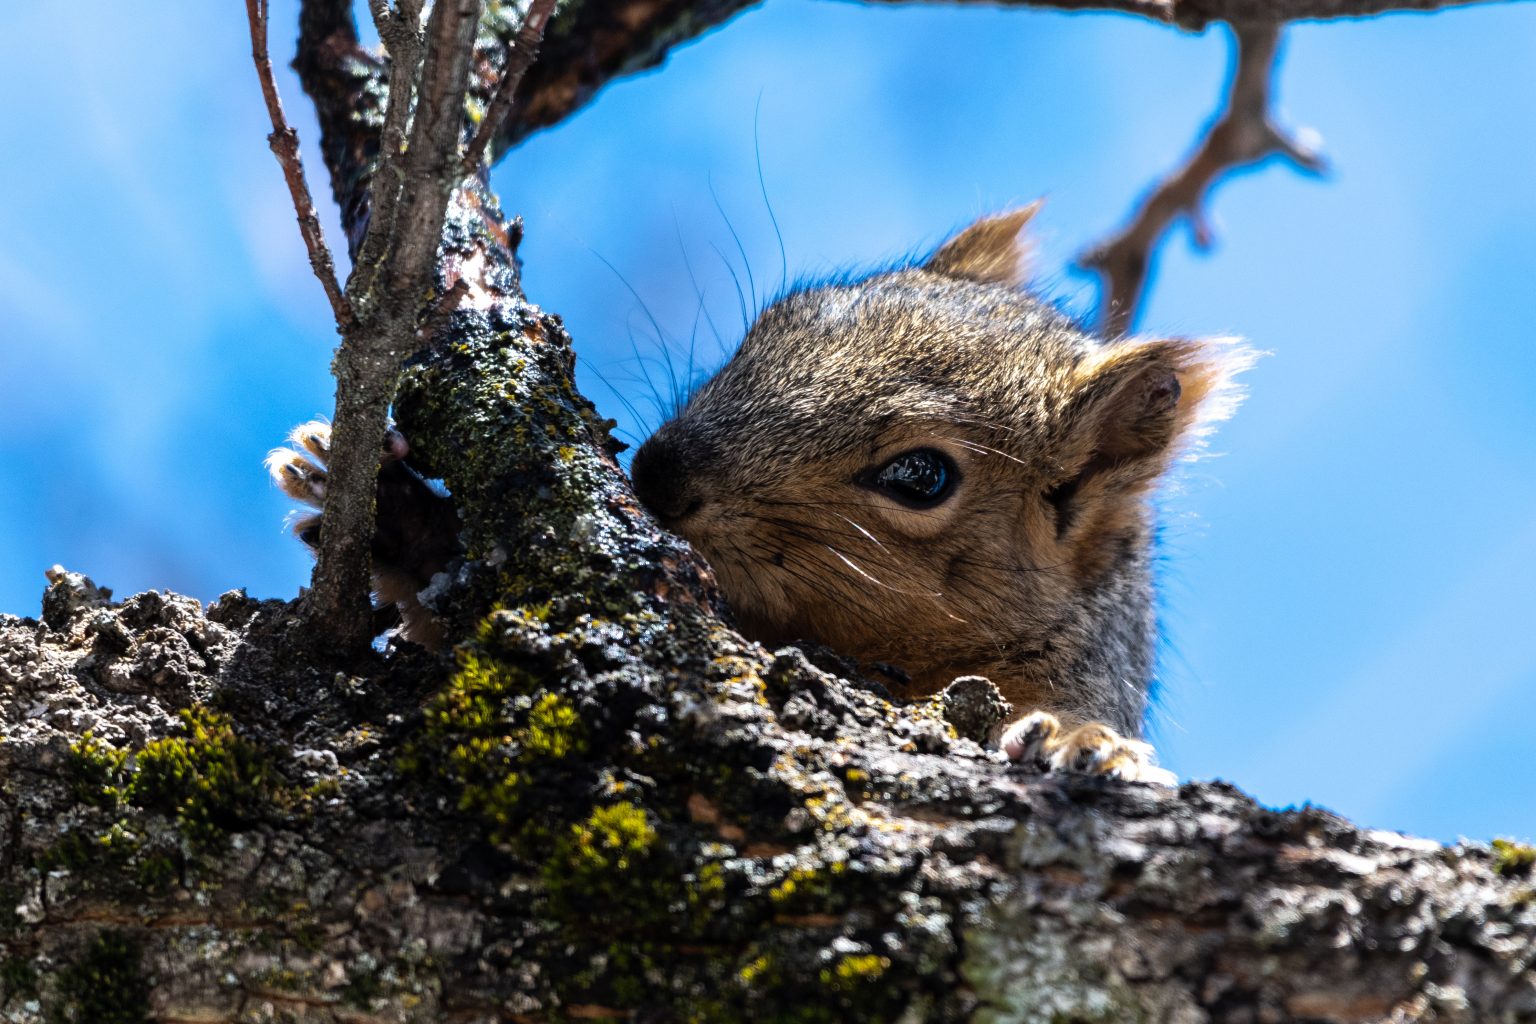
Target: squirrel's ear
<point x="992" y="251"/>
<point x="1135" y="404"/>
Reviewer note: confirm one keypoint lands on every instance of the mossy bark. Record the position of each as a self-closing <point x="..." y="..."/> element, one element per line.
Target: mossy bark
<point x="605" y="805"/>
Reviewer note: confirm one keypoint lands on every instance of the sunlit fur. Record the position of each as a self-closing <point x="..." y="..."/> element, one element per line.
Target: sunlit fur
<point x="1036" y="573"/>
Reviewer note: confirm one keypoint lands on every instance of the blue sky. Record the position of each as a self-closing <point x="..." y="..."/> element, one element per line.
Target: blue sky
<point x="1350" y="582"/>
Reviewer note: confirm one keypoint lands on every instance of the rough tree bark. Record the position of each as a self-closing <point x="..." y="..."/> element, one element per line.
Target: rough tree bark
<point x="605" y="805"/>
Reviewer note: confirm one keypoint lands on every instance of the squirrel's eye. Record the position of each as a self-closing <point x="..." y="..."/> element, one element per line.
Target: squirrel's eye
<point x="923" y="477"/>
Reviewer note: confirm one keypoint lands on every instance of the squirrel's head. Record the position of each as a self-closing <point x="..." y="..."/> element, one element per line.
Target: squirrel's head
<point x="931" y="469"/>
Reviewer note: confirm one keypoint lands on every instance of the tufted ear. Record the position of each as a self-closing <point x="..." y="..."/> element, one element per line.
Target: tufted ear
<point x="991" y="251"/>
<point x="1134" y="405"/>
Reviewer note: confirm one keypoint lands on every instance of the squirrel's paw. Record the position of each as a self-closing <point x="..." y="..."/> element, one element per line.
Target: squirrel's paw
<point x="416" y="528"/>
<point x="300" y="471"/>
<point x="1095" y="749"/>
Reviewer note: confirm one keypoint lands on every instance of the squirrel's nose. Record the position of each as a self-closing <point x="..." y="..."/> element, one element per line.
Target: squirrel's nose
<point x="662" y="481"/>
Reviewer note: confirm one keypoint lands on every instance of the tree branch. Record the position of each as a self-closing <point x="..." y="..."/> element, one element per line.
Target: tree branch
<point x="593" y="42"/>
<point x="390" y="288"/>
<point x="522" y="51"/>
<point x="402" y="35"/>
<point x="431" y="171"/>
<point x="1242" y="134"/>
<point x="633" y="815"/>
<point x="285" y="145"/>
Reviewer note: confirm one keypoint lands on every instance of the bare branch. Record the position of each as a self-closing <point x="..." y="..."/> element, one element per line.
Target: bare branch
<point x="401" y="33"/>
<point x="431" y="158"/>
<point x="1242" y="134"/>
<point x="522" y="51"/>
<point x="285" y="145"/>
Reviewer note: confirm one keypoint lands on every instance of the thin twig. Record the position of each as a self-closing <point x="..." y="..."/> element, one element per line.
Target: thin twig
<point x="285" y="145"/>
<point x="1242" y="134"/>
<point x="522" y="51"/>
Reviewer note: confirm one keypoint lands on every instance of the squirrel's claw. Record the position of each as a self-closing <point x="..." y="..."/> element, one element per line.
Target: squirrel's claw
<point x="1095" y="749"/>
<point x="315" y="438"/>
<point x="300" y="471"/>
<point x="299" y="478"/>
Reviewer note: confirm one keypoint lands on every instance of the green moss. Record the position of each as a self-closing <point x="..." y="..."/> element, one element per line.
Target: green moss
<point x="105" y="985"/>
<point x="776" y="985"/>
<point x="707" y="894"/>
<point x="810" y="887"/>
<point x="754" y="969"/>
<point x="489" y="727"/>
<point x="207" y="779"/>
<point x="852" y="972"/>
<point x="554" y="729"/>
<point x="112" y="853"/>
<point x="611" y="872"/>
<point x="95" y="771"/>
<point x="1513" y="860"/>
<point x="156" y="872"/>
<point x="612" y="839"/>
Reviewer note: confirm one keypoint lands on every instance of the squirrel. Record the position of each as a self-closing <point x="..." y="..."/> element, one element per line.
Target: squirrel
<point x="932" y="472"/>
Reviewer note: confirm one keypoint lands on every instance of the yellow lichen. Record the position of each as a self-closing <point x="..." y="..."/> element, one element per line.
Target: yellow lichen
<point x="1513" y="859"/>
<point x="554" y="729"/>
<point x="852" y="969"/>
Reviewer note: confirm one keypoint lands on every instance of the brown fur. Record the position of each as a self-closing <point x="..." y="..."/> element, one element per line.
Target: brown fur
<point x="1036" y="572"/>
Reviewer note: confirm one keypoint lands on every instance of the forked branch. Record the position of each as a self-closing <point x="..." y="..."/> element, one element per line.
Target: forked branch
<point x="1242" y="134"/>
<point x="408" y="189"/>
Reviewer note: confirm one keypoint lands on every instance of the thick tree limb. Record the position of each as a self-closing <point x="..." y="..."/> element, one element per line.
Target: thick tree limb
<point x="1242" y="134"/>
<point x="285" y="145"/>
<point x="617" y="810"/>
<point x="593" y="42"/>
